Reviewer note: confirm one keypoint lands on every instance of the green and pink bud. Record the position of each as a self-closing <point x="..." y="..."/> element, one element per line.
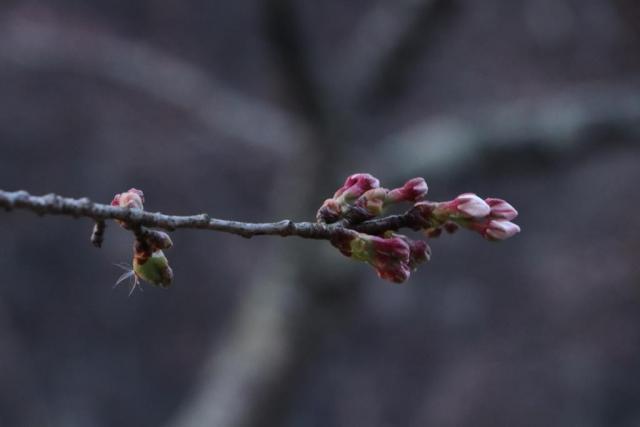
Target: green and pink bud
<point x="154" y="269"/>
<point x="389" y="256"/>
<point x="370" y="204"/>
<point x="412" y="191"/>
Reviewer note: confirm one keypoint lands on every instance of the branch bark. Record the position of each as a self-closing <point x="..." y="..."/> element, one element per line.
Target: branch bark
<point x="53" y="204"/>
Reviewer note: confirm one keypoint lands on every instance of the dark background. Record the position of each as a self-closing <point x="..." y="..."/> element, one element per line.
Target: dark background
<point x="257" y="111"/>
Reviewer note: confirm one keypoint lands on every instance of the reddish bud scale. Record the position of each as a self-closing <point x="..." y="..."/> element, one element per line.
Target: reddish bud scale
<point x="329" y="212"/>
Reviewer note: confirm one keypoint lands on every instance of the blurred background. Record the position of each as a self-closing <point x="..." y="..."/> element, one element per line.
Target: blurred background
<point x="257" y="111"/>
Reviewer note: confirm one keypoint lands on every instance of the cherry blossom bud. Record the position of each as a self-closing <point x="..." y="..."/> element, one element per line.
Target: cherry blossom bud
<point x="389" y="256"/>
<point x="419" y="251"/>
<point x="501" y="209"/>
<point x="467" y="205"/>
<point x="158" y="239"/>
<point x="412" y="191"/>
<point x="499" y="229"/>
<point x="355" y="186"/>
<point x="391" y="270"/>
<point x="154" y="269"/>
<point x="495" y="229"/>
<point x="132" y="199"/>
<point x="329" y="212"/>
<point x="372" y="202"/>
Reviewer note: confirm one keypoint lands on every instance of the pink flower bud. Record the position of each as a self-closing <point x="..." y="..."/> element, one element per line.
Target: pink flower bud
<point x="356" y="185"/>
<point x="501" y="209"/>
<point x="132" y="199"/>
<point x="419" y="251"/>
<point x="412" y="191"/>
<point x="467" y="205"/>
<point x="396" y="272"/>
<point x="389" y="256"/>
<point x="495" y="229"/>
<point x="499" y="229"/>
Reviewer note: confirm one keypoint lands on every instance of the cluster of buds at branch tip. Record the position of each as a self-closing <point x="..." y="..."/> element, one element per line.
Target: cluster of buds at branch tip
<point x="490" y="217"/>
<point x="149" y="262"/>
<point x="362" y="198"/>
<point x="394" y="256"/>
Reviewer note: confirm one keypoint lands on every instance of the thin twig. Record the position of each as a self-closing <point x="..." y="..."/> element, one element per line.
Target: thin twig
<point x="97" y="235"/>
<point x="53" y="204"/>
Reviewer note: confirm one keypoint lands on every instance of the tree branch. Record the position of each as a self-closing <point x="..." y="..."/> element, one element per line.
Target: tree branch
<point x="214" y="105"/>
<point x="52" y="204"/>
<point x="572" y="119"/>
<point x="385" y="44"/>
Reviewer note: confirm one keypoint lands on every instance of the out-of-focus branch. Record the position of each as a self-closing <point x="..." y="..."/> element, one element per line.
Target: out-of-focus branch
<point x="385" y="42"/>
<point x="555" y="125"/>
<point x="218" y="108"/>
<point x="286" y="38"/>
<point x="53" y="204"/>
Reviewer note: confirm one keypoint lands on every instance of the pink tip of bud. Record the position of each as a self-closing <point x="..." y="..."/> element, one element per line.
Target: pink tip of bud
<point x="412" y="191"/>
<point x="393" y="272"/>
<point x="501" y="209"/>
<point x="471" y="206"/>
<point x="132" y="199"/>
<point x="356" y="185"/>
<point x="499" y="229"/>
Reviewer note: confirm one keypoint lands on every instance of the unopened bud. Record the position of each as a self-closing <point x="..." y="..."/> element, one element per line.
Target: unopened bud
<point x="132" y="199"/>
<point x="419" y="251"/>
<point x="390" y="257"/>
<point x="154" y="269"/>
<point x="413" y="191"/>
<point x="372" y="201"/>
<point x="499" y="229"/>
<point x="468" y="206"/>
<point x="355" y="186"/>
<point x="500" y="209"/>
<point x="158" y="239"/>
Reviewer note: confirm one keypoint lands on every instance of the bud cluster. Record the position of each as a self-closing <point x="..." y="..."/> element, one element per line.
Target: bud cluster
<point x="362" y="198"/>
<point x="490" y="217"/>
<point x="149" y="262"/>
<point x="394" y="255"/>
